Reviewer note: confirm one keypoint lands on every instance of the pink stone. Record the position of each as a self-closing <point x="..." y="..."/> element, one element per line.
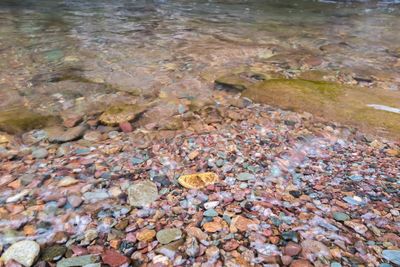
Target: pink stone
<point x="126" y="127"/>
<point x="292" y="249"/>
<point x="231" y="245"/>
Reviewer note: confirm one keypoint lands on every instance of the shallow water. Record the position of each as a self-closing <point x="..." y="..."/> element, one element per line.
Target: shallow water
<point x="57" y="56"/>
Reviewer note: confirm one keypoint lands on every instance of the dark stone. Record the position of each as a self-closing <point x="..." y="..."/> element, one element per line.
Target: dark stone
<point x="295" y="193"/>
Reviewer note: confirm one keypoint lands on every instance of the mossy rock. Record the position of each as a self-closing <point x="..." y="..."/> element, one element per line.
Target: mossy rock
<point x="316" y="75"/>
<point x="332" y="101"/>
<point x="18" y="121"/>
<point x="116" y="114"/>
<point x="239" y="81"/>
<point x="231" y="83"/>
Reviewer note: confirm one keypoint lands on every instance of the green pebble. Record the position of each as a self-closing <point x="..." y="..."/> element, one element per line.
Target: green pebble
<point x="210" y="213"/>
<point x="340" y="216"/>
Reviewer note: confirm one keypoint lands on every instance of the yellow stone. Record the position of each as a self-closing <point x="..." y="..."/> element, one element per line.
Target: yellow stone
<point x="146" y="235"/>
<point x="212" y="227"/>
<point x="393" y="152"/>
<point x="198" y="180"/>
<point x="4" y="139"/>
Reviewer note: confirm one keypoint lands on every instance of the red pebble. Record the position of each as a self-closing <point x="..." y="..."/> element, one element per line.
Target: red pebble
<point x="126" y="127"/>
<point x="114" y="259"/>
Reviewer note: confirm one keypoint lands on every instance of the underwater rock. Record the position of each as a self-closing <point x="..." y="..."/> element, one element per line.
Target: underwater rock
<point x="332" y="101"/>
<point x="142" y="193"/>
<point x="24" y="252"/>
<point x="62" y="135"/>
<point x="231" y="83"/>
<point x="198" y="180"/>
<point x="117" y="114"/>
<point x="22" y="120"/>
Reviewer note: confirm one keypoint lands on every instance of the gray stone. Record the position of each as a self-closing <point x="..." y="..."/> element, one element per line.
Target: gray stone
<point x="62" y="135"/>
<point x="74" y="200"/>
<point x="26" y="178"/>
<point x="142" y="193"/>
<point x="245" y="176"/>
<point x="78" y="261"/>
<point x="340" y="216"/>
<point x="168" y="235"/>
<point x="53" y="253"/>
<point x="95" y="195"/>
<point x="40" y="153"/>
<point x="24" y="252"/>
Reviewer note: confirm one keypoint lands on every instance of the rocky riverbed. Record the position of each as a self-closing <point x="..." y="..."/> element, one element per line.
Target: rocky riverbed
<point x="224" y="182"/>
<point x="199" y="133"/>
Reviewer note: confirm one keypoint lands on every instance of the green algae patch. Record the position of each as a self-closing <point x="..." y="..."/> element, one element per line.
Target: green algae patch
<point x="317" y="75"/>
<point x="117" y="114"/>
<point x="332" y="101"/>
<point x="18" y="121"/>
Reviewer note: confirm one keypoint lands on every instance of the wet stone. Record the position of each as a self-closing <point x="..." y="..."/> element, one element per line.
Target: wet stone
<point x="166" y="236"/>
<point x="198" y="180"/>
<point x="62" y="135"/>
<point x="245" y="176"/>
<point x="22" y="120"/>
<point x="392" y="255"/>
<point x="358" y="227"/>
<point x="74" y="200"/>
<point x="146" y="235"/>
<point x="26" y="178"/>
<point x="24" y="252"/>
<point x="192" y="247"/>
<point x="92" y="136"/>
<point x="126" y="127"/>
<point x="301" y="263"/>
<point x="210" y="213"/>
<point x="340" y="216"/>
<point x="53" y="253"/>
<point x="39" y="153"/>
<point x="196" y="232"/>
<point x="114" y="258"/>
<point x="313" y="250"/>
<point x="95" y="196"/>
<point x="142" y="193"/>
<point x="117" y="114"/>
<point x="78" y="261"/>
<point x="292" y="249"/>
<point x="295" y="193"/>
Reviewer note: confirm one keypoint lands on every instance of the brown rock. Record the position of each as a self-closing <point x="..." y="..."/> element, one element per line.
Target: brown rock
<point x="75" y="200"/>
<point x="72" y="120"/>
<point x="231" y="245"/>
<point x="313" y="250"/>
<point x="196" y="232"/>
<point x="292" y="249"/>
<point x="194" y="154"/>
<point x="114" y="259"/>
<point x="286" y="260"/>
<point x="212" y="227"/>
<point x="146" y="235"/>
<point x="212" y="253"/>
<point x="241" y="223"/>
<point x="392" y="238"/>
